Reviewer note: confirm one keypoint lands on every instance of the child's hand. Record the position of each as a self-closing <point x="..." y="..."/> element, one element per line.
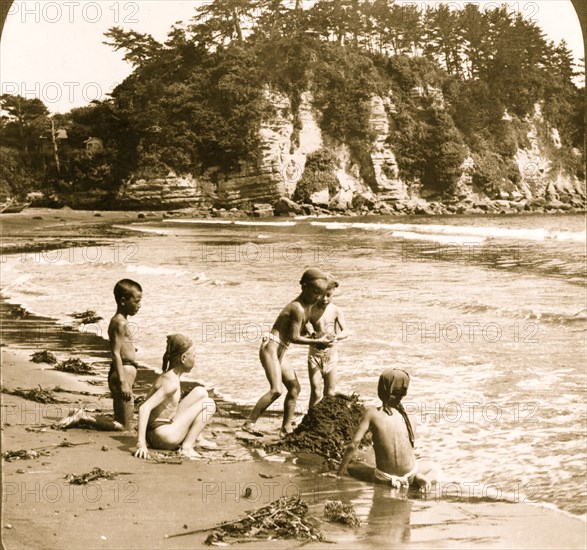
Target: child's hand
<point x="326" y="340"/>
<point x="125" y="390"/>
<point x="142" y="451"/>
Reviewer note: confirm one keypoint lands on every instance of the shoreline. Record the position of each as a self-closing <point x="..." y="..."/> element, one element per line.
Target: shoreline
<point x="199" y="495"/>
<point x="38" y="230"/>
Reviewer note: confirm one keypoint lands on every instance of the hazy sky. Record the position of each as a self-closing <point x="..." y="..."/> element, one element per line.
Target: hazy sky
<point x="53" y="49"/>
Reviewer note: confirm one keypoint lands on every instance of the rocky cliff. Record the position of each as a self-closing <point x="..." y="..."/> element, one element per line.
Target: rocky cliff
<point x="371" y="173"/>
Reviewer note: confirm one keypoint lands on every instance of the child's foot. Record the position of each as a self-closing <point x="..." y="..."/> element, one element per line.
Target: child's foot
<point x="71" y="420"/>
<point x="204" y="443"/>
<point x="190" y="454"/>
<point x="250" y="428"/>
<point x="284" y="432"/>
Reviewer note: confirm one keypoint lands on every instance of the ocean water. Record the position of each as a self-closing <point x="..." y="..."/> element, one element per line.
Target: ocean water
<point x="487" y="314"/>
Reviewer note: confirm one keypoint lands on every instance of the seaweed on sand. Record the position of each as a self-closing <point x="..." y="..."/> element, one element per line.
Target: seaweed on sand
<point x="337" y="512"/>
<point x="86" y="317"/>
<point x="23" y="454"/>
<point x="139" y="400"/>
<point x="76" y="392"/>
<point x="75" y="366"/>
<point x="95" y="474"/>
<point x="326" y="429"/>
<point x="44" y="357"/>
<point x="18" y="312"/>
<point x="285" y="518"/>
<point x="40" y="395"/>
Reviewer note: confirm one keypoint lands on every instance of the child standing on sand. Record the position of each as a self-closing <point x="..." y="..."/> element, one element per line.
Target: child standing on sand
<point x="165" y="422"/>
<point x="286" y="330"/>
<point x="123" y="368"/>
<point x="326" y="318"/>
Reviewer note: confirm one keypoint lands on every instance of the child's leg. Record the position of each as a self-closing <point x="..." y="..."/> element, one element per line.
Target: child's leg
<point x="428" y="473"/>
<point x="316" y="382"/>
<point x="193" y="412"/>
<point x="272" y="366"/>
<point x="290" y="380"/>
<point x="330" y="379"/>
<point x="123" y="410"/>
<point x="81" y="419"/>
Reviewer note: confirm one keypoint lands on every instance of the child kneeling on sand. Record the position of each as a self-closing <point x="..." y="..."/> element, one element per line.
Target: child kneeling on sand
<point x="393" y="437"/>
<point x="165" y="422"/>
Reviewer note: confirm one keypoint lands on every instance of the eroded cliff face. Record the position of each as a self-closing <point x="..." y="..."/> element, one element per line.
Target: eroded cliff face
<point x="171" y="192"/>
<point x="540" y="177"/>
<point x="371" y="173"/>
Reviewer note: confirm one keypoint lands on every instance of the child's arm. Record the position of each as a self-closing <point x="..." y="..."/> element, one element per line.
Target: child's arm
<point x="308" y="329"/>
<point x="355" y="442"/>
<point x="297" y="323"/>
<point x="342" y="332"/>
<point x="116" y="335"/>
<point x="154" y="400"/>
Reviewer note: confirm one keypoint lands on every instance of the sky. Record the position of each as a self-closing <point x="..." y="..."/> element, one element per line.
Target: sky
<point x="54" y="50"/>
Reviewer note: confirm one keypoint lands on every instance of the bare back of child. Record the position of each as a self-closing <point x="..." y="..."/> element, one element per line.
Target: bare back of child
<point x="287" y="329"/>
<point x="393" y="437"/>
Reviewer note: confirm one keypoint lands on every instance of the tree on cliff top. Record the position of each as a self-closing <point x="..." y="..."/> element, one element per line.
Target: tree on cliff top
<point x="197" y="100"/>
<point x="139" y="48"/>
<point x="22" y="122"/>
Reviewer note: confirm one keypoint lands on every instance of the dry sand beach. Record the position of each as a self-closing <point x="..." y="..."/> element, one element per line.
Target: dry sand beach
<point x="146" y="502"/>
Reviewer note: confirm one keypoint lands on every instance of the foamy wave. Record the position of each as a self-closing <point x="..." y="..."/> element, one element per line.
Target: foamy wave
<point x="194" y="221"/>
<point x="20" y="283"/>
<point x="147" y="270"/>
<point x="144" y="229"/>
<point x="577" y="236"/>
<point x="415" y="230"/>
<point x="232" y="222"/>
<point x="203" y="279"/>
<point x="442" y="239"/>
<point x="274" y="224"/>
<point x="551" y="317"/>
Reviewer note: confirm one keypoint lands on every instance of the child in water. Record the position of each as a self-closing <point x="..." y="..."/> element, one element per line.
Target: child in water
<point x="326" y="318"/>
<point x="393" y="436"/>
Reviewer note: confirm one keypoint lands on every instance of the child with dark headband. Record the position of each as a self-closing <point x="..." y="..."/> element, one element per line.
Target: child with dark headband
<point x="165" y="422"/>
<point x="393" y="435"/>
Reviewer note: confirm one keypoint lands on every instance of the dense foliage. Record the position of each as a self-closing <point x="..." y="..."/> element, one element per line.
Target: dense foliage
<point x="318" y="175"/>
<point x="460" y="81"/>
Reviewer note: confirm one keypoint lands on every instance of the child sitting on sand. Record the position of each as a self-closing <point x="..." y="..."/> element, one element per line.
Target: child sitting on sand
<point x="165" y="422"/>
<point x="123" y="368"/>
<point x="393" y="436"/>
<point x="325" y="318"/>
<point x="286" y="330"/>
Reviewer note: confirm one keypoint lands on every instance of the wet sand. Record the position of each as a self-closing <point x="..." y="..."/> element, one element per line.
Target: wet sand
<point x="148" y="501"/>
<point x="38" y="229"/>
